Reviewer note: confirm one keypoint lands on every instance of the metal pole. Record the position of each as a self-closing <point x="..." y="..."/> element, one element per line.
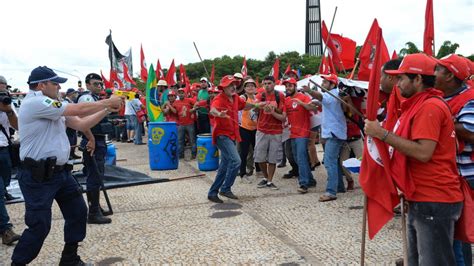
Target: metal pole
<point x="205" y="69"/>
<point x="364" y="229"/>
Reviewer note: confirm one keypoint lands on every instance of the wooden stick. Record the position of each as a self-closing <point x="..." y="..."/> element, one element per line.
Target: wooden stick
<point x="364" y="229"/>
<point x="205" y="69"/>
<point x="404" y="230"/>
<point x="340" y="100"/>
<point x="354" y="69"/>
<point x="329" y="34"/>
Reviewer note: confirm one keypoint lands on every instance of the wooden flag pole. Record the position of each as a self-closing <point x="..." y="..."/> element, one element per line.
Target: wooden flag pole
<point x="329" y="34"/>
<point x="404" y="230"/>
<point x="355" y="67"/>
<point x="205" y="69"/>
<point x="364" y="230"/>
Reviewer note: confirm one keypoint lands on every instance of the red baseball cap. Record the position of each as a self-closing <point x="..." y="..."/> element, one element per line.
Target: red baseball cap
<point x="227" y="81"/>
<point x="172" y="92"/>
<point x="415" y="64"/>
<point x="291" y="71"/>
<point x="331" y="78"/>
<point x="213" y="89"/>
<point x="456" y="64"/>
<point x="290" y="80"/>
<point x="181" y="89"/>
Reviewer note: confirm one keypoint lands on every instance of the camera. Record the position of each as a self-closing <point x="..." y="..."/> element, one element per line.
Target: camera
<point x="5" y="98"/>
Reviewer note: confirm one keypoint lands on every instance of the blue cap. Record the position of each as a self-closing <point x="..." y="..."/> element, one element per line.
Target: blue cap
<point x="43" y="74"/>
<point x="70" y="91"/>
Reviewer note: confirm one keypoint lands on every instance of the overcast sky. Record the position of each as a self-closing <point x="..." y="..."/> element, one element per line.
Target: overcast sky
<point x="69" y="35"/>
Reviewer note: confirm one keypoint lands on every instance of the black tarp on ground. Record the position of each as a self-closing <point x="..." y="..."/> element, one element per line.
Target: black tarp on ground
<point x="115" y="177"/>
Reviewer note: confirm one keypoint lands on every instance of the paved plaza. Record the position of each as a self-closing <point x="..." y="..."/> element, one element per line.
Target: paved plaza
<point x="174" y="223"/>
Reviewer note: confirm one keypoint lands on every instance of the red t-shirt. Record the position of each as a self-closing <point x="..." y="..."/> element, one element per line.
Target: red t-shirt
<point x="183" y="107"/>
<point x="353" y="130"/>
<point x="436" y="180"/>
<point x="170" y="116"/>
<point x="227" y="126"/>
<point x="298" y="116"/>
<point x="266" y="123"/>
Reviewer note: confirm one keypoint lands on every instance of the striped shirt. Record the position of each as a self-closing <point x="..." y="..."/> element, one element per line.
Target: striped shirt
<point x="466" y="118"/>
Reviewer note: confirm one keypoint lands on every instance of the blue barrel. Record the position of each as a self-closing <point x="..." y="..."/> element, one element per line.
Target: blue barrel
<point x="163" y="145"/>
<point x="207" y="153"/>
<point x="111" y="155"/>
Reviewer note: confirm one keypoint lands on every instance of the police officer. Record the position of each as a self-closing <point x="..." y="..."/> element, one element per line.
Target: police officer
<point x="44" y="174"/>
<point x="95" y="140"/>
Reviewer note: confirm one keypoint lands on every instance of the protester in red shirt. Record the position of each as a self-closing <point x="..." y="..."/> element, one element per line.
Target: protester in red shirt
<point x="168" y="106"/>
<point x="423" y="163"/>
<point x="298" y="107"/>
<point x="268" y="147"/>
<point x="225" y="134"/>
<point x="183" y="109"/>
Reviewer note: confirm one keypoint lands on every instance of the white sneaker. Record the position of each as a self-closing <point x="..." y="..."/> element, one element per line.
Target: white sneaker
<point x="246" y="179"/>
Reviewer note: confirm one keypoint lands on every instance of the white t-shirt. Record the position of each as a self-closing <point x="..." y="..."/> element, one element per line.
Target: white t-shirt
<point x="6" y="124"/>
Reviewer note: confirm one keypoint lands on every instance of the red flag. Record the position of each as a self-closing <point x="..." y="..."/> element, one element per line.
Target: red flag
<point x="171" y="75"/>
<point x="244" y="69"/>
<point x="326" y="65"/>
<point x="375" y="178"/>
<point x="331" y="47"/>
<point x="275" y="70"/>
<point x="159" y="72"/>
<point x="394" y="55"/>
<point x="346" y="48"/>
<point x="126" y="75"/>
<point x="367" y="52"/>
<point x="143" y="70"/>
<point x="183" y="78"/>
<point x="213" y="73"/>
<point x="115" y="78"/>
<point x="257" y="83"/>
<point x="107" y="84"/>
<point x="288" y="69"/>
<point x="428" y="36"/>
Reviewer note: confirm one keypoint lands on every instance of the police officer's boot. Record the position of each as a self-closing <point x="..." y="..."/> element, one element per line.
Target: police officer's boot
<point x="69" y="256"/>
<point x="95" y="214"/>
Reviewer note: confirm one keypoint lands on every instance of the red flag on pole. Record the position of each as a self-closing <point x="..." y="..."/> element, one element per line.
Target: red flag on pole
<point x="394" y="55"/>
<point x="213" y="73"/>
<point x="428" y="36"/>
<point x="331" y="47"/>
<point x="107" y="84"/>
<point x="171" y="75"/>
<point x="126" y="75"/>
<point x="326" y="66"/>
<point x="115" y="78"/>
<point x="159" y="71"/>
<point x="275" y="71"/>
<point x="143" y="69"/>
<point x="288" y="69"/>
<point x="375" y="178"/>
<point x="367" y="53"/>
<point x="346" y="48"/>
<point x="244" y="69"/>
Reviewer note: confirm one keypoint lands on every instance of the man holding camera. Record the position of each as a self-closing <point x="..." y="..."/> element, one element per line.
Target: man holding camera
<point x="7" y="119"/>
<point x="94" y="149"/>
<point x="44" y="175"/>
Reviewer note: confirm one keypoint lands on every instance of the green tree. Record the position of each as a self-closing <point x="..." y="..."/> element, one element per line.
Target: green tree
<point x="409" y="49"/>
<point x="447" y="48"/>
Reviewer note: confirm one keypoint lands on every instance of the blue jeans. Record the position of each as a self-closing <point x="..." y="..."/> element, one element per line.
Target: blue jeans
<point x="138" y="132"/>
<point x="430" y="232"/>
<point x="228" y="166"/>
<point x="332" y="149"/>
<point x="189" y="129"/>
<point x="299" y="147"/>
<point x="5" y="176"/>
<point x="39" y="197"/>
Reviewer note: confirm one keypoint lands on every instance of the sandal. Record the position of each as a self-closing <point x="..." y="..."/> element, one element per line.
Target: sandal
<point x="325" y="198"/>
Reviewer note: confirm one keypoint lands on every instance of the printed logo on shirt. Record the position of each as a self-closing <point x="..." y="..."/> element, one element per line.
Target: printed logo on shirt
<point x="47" y="102"/>
<point x="57" y="104"/>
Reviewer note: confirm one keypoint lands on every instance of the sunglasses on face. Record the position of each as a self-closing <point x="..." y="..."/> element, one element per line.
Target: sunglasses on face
<point x="98" y="84"/>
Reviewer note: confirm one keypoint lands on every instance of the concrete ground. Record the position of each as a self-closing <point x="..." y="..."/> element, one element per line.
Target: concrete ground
<point x="174" y="223"/>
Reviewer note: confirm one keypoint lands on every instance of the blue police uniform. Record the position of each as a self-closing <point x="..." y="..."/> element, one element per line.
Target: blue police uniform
<point x="43" y="136"/>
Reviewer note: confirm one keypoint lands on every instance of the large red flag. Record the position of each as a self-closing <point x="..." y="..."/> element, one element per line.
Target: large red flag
<point x="171" y="75"/>
<point x="288" y="69"/>
<point x="114" y="78"/>
<point x="107" y="84"/>
<point x="143" y="69"/>
<point x="126" y="75"/>
<point x="213" y="74"/>
<point x="275" y="71"/>
<point x="346" y="48"/>
<point x="244" y="69"/>
<point x="326" y="66"/>
<point x="367" y="53"/>
<point x="160" y="75"/>
<point x="375" y="178"/>
<point x="428" y="36"/>
<point x="331" y="47"/>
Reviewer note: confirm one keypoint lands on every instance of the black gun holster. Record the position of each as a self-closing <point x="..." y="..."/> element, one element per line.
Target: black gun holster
<point x="41" y="170"/>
